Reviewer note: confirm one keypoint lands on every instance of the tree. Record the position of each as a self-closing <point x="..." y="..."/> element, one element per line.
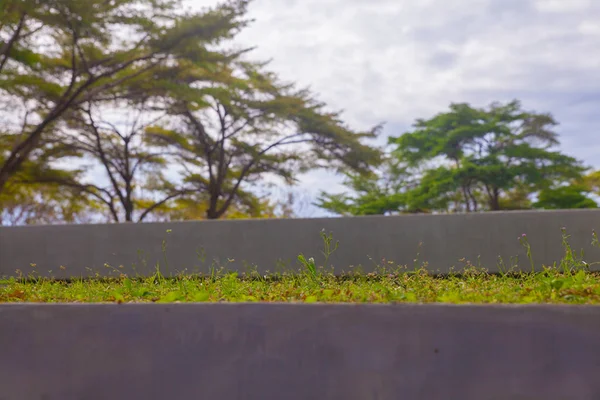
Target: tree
<point x="563" y="197"/>
<point x="484" y="155"/>
<point x="469" y="159"/>
<point x="241" y="124"/>
<point x="57" y="55"/>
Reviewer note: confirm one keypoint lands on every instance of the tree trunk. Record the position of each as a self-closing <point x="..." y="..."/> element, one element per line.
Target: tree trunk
<point x="212" y="213"/>
<point x="128" y="213"/>
<point x="466" y="196"/>
<point x="474" y="200"/>
<point x="495" y="200"/>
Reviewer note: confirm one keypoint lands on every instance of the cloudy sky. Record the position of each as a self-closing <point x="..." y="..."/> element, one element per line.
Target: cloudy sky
<point x="398" y="60"/>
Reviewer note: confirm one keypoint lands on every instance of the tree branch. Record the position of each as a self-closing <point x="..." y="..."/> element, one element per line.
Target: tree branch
<point x="160" y="203"/>
<point x="7" y="47"/>
<point x="283" y="141"/>
<point x="104" y="159"/>
<point x="91" y="189"/>
<point x="202" y="135"/>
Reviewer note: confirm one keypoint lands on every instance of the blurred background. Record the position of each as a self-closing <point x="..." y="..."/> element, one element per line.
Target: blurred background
<point x="133" y="111"/>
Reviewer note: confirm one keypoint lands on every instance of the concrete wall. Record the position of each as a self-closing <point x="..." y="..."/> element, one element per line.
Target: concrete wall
<point x="270" y="245"/>
<point x="298" y="352"/>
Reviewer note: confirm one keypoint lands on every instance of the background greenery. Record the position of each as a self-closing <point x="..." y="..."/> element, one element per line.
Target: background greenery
<point x="181" y="123"/>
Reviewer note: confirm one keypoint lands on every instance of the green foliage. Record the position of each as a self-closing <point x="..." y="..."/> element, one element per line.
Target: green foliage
<point x="484" y="154"/>
<point x="379" y="192"/>
<point x="30" y="197"/>
<point x="34" y="203"/>
<point x="469" y="159"/>
<point x="227" y="122"/>
<point x="571" y="196"/>
<point x="518" y="198"/>
<point x="62" y="54"/>
<point x="591" y="182"/>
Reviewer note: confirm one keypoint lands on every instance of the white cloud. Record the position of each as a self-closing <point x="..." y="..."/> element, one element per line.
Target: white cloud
<point x="589" y="28"/>
<point x="561" y="6"/>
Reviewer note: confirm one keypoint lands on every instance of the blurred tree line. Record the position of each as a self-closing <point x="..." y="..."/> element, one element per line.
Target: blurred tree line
<point x="138" y="110"/>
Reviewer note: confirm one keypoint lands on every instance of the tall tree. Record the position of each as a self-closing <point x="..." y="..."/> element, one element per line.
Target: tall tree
<point x="471" y="159"/>
<point x="56" y="55"/>
<point x="484" y="154"/>
<point x="243" y="125"/>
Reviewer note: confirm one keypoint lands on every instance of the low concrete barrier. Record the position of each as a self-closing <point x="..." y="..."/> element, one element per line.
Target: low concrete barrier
<point x="442" y="241"/>
<point x="274" y="351"/>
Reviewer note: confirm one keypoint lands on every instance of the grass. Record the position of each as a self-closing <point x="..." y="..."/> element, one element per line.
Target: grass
<point x="570" y="281"/>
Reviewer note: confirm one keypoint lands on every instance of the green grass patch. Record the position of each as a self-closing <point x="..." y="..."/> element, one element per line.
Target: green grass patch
<point x="570" y="280"/>
<point x="550" y="286"/>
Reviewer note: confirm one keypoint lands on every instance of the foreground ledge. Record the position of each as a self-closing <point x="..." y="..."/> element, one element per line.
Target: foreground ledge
<point x="282" y="351"/>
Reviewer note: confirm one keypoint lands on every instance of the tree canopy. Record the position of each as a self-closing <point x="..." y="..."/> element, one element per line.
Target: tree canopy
<point x="204" y="122"/>
<point x="245" y="125"/>
<point x="472" y="159"/>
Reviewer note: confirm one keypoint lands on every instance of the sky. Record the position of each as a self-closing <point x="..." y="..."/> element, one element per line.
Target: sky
<point x="394" y="61"/>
